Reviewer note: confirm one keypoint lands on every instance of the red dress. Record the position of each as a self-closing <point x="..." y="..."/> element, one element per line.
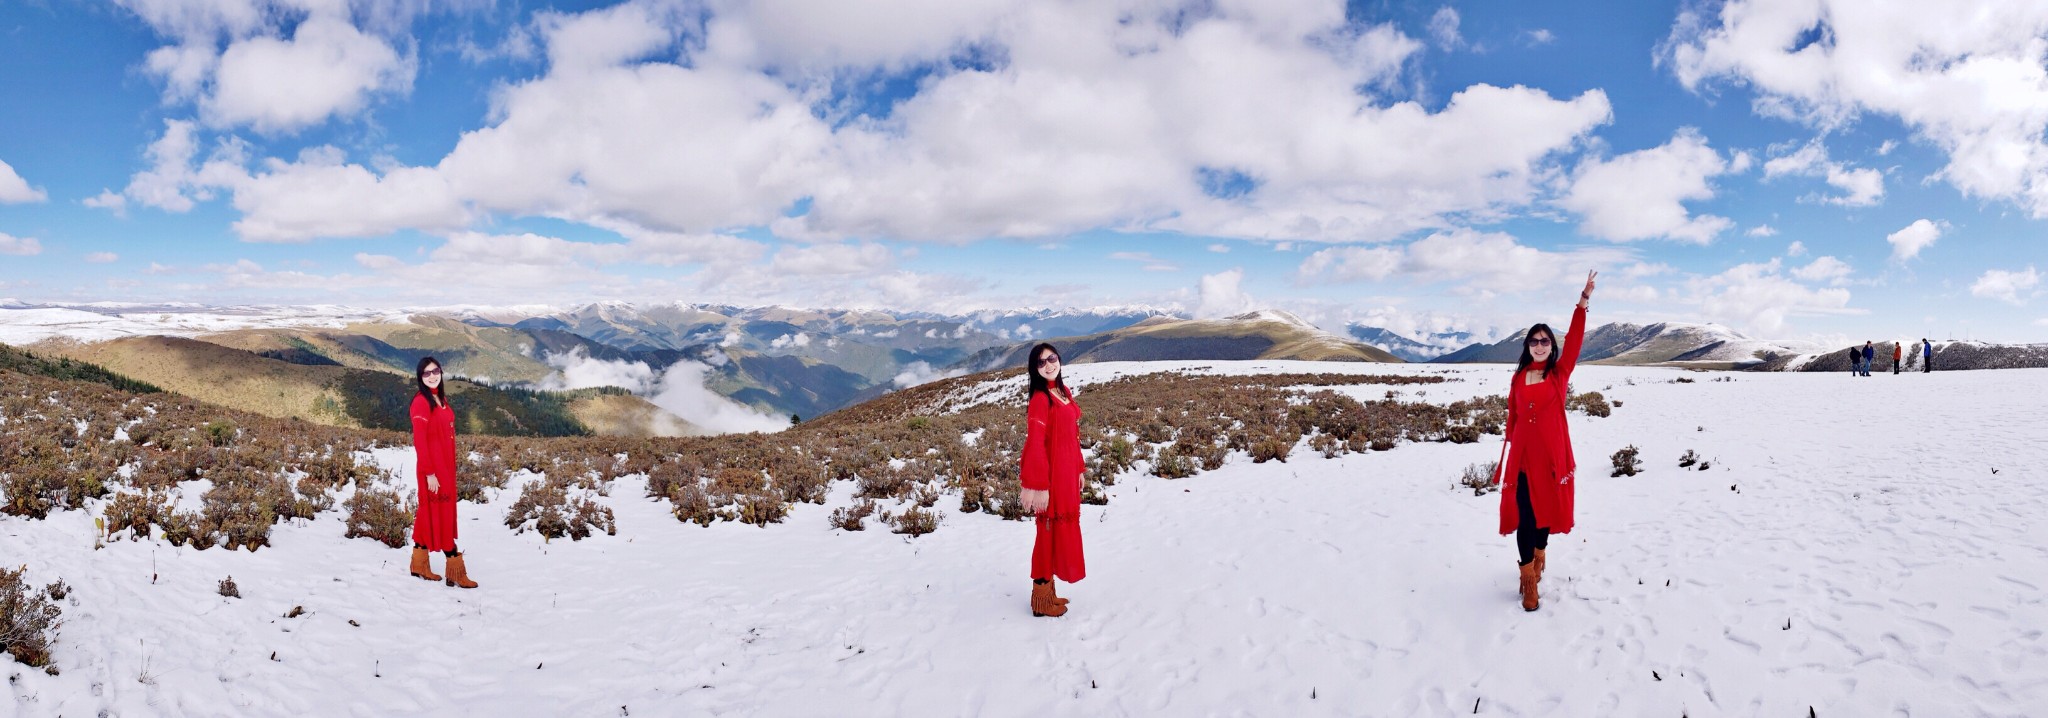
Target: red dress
<point x="433" y="442"/>
<point x="1539" y="443"/>
<point x="1052" y="462"/>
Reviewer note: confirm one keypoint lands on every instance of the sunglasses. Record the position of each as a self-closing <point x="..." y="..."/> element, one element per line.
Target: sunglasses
<point x="431" y="372"/>
<point x="1538" y="341"/>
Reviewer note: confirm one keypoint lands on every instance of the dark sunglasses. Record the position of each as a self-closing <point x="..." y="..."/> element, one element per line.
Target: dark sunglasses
<point x="1538" y="341"/>
<point x="431" y="372"/>
<point x="1048" y="359"/>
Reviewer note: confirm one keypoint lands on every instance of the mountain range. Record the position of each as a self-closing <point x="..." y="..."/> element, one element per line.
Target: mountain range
<point x="694" y="368"/>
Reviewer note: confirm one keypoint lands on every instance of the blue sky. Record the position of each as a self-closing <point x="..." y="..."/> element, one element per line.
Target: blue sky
<point x="1816" y="169"/>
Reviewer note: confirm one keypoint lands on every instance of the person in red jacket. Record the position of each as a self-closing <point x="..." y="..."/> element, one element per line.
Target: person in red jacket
<point x="433" y="443"/>
<point x="1051" y="477"/>
<point x="1537" y="463"/>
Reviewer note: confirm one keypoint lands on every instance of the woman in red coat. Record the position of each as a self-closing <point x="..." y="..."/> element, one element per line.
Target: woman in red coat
<point x="1538" y="464"/>
<point x="433" y="442"/>
<point x="1051" y="478"/>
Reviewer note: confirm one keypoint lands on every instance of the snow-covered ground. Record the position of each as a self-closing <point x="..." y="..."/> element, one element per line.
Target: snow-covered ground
<point x="29" y="323"/>
<point x="1860" y="547"/>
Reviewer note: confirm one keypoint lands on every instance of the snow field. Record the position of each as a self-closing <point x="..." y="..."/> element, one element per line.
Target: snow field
<point x="1864" y="512"/>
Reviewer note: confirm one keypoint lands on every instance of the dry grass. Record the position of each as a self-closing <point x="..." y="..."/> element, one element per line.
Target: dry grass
<point x="29" y="618"/>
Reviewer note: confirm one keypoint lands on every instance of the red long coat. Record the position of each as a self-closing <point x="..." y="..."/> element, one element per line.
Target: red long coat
<point x="433" y="443"/>
<point x="1052" y="462"/>
<point x="1539" y="443"/>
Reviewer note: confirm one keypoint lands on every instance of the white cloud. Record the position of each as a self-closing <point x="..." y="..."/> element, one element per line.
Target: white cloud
<point x="19" y="246"/>
<point x="1864" y="187"/>
<point x="1149" y="262"/>
<point x="102" y="257"/>
<point x="923" y="373"/>
<point x="1907" y="243"/>
<point x="15" y="190"/>
<point x="1795" y="249"/>
<point x="681" y="390"/>
<point x="1221" y="295"/>
<point x="577" y="370"/>
<point x="1759" y="297"/>
<point x="1487" y="261"/>
<point x="1443" y="28"/>
<point x="278" y="65"/>
<point x="1641" y="195"/>
<point x="109" y="200"/>
<point x="1175" y="101"/>
<point x="1762" y="230"/>
<point x="1824" y="270"/>
<point x="1219" y="248"/>
<point x="791" y="341"/>
<point x="1540" y="36"/>
<point x="2007" y="286"/>
<point x="834" y="258"/>
<point x="1966" y="77"/>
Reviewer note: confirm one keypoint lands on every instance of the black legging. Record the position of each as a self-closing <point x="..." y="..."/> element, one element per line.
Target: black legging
<point x="452" y="552"/>
<point x="1528" y="538"/>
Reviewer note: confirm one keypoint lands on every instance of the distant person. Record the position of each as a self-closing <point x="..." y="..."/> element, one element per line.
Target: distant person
<point x="1537" y="461"/>
<point x="1869" y="355"/>
<point x="1051" y="478"/>
<point x="1926" y="356"/>
<point x="1855" y="365"/>
<point x="1898" y="351"/>
<point x="433" y="443"/>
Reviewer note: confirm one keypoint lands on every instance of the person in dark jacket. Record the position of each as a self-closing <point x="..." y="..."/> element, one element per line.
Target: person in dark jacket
<point x="1898" y="352"/>
<point x="1854" y="363"/>
<point x="1926" y="356"/>
<point x="1869" y="355"/>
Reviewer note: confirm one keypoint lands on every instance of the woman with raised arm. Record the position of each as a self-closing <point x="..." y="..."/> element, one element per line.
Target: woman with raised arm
<point x="433" y="443"/>
<point x="1537" y="467"/>
<point x="1051" y="477"/>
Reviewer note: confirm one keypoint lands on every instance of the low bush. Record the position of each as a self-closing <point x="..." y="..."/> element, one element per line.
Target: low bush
<point x="1690" y="458"/>
<point x="853" y="518"/>
<point x="554" y="508"/>
<point x="1590" y="402"/>
<point x="229" y="589"/>
<point x="380" y="514"/>
<point x="1480" y="478"/>
<point x="1626" y="463"/>
<point x="915" y="521"/>
<point x="29" y="618"/>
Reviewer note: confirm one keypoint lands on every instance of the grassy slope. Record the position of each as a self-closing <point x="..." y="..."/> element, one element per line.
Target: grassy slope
<point x="345" y="396"/>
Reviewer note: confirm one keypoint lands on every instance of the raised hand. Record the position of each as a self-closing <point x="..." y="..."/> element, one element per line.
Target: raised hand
<point x="1587" y="293"/>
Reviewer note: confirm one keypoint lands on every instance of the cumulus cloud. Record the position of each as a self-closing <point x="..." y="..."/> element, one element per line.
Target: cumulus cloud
<point x="278" y="65"/>
<point x="1760" y="297"/>
<point x="576" y="369"/>
<point x="1907" y="243"/>
<point x="15" y="190"/>
<point x="798" y="340"/>
<point x="102" y="257"/>
<point x="648" y="101"/>
<point x="1862" y="187"/>
<point x="2007" y="286"/>
<point x="1966" y="78"/>
<point x="1795" y="249"/>
<point x="682" y="392"/>
<point x="1489" y="261"/>
<point x="1443" y="28"/>
<point x="19" y="246"/>
<point x="1221" y="295"/>
<point x="1824" y="270"/>
<point x="835" y="258"/>
<point x="1762" y="230"/>
<point x="1641" y="195"/>
<point x="1146" y="261"/>
<point x="922" y="373"/>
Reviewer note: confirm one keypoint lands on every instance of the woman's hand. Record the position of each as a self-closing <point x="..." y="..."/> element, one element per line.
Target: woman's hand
<point x="433" y="484"/>
<point x="1034" y="501"/>
<point x="1587" y="293"/>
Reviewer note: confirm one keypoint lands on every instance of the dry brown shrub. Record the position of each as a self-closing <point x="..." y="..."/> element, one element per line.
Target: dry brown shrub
<point x="136" y="513"/>
<point x="914" y="521"/>
<point x="550" y="507"/>
<point x="29" y="618"/>
<point x="853" y="518"/>
<point x="380" y="514"/>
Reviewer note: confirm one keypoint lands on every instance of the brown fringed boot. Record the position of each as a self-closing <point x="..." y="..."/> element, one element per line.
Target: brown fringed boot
<point x="1539" y="565"/>
<point x="1042" y="601"/>
<point x="1054" y="589"/>
<point x="420" y="567"/>
<point x="1529" y="597"/>
<point x="458" y="575"/>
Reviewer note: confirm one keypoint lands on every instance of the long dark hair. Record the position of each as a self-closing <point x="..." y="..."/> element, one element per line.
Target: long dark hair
<point x="437" y="397"/>
<point x="1038" y="382"/>
<point x="1522" y="365"/>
